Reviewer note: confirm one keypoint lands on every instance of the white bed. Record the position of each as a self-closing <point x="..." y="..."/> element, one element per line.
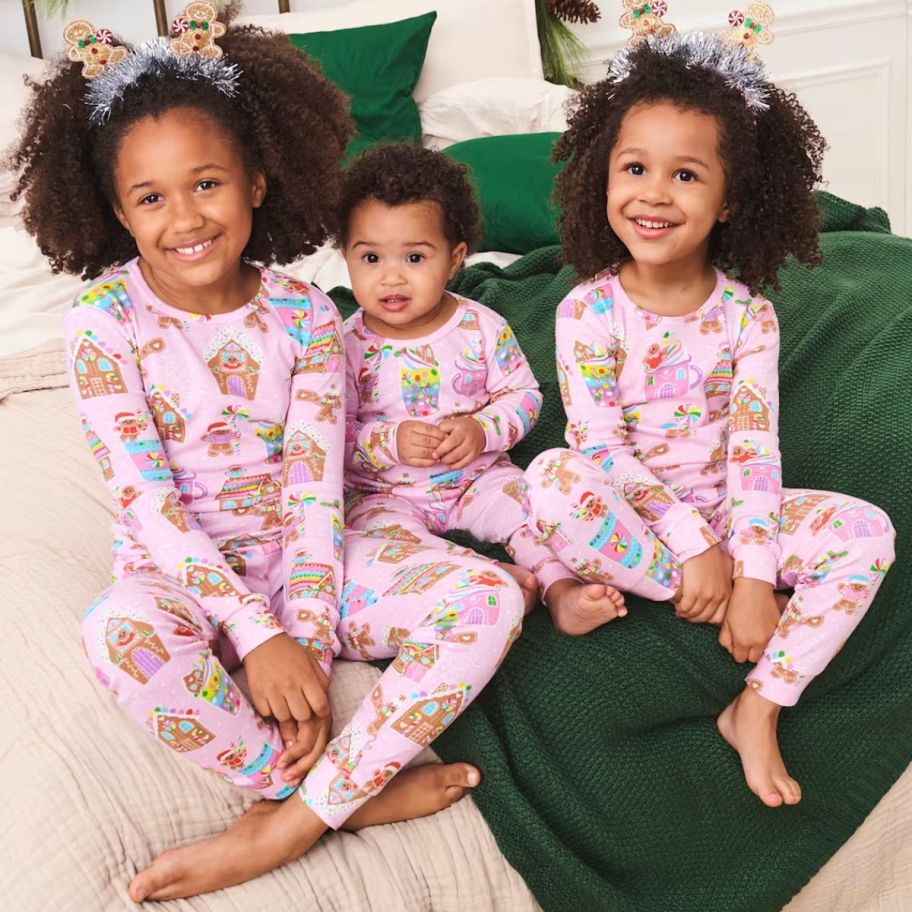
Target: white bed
<point x="88" y="797"/>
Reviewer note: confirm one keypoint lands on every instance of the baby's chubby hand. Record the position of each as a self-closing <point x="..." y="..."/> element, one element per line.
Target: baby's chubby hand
<point x="415" y="443"/>
<point x="465" y="441"/>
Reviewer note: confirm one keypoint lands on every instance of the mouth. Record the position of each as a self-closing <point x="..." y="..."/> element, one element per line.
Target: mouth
<point x="652" y="227"/>
<point x="195" y="251"/>
<point x="394" y="303"/>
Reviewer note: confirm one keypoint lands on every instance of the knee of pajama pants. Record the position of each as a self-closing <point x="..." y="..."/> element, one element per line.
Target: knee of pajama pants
<point x="128" y="631"/>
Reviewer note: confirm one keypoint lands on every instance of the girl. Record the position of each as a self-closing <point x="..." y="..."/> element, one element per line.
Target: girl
<point x="210" y="391"/>
<point x="437" y="387"/>
<point x="690" y="178"/>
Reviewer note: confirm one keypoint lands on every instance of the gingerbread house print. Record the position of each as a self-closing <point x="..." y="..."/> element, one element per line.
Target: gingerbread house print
<point x="650" y="501"/>
<point x="748" y="411"/>
<point x="235" y="362"/>
<point x="764" y="476"/>
<point x="480" y="609"/>
<point x="166" y="414"/>
<point x="324" y="353"/>
<point x="395" y="531"/>
<point x="796" y="509"/>
<point x="181" y="732"/>
<point x="429" y="716"/>
<point x="311" y="580"/>
<point x="420" y="578"/>
<point x="206" y="581"/>
<point x="210" y="682"/>
<point x="101" y="453"/>
<point x="858" y="522"/>
<point x="244" y="491"/>
<point x="355" y="598"/>
<point x="97" y="372"/>
<point x="305" y="456"/>
<point x="396" y="553"/>
<point x="134" y="647"/>
<point x="416" y="659"/>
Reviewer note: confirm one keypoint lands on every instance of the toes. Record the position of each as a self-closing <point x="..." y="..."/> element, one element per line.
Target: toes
<point x="460" y="775"/>
<point x="790" y="791"/>
<point x="769" y="796"/>
<point x="155" y="881"/>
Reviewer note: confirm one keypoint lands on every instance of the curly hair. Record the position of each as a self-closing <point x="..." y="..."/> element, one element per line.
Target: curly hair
<point x="399" y="173"/>
<point x="771" y="159"/>
<point x="287" y="119"/>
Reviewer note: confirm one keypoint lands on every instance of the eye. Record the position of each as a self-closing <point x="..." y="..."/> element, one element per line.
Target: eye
<point x="149" y="199"/>
<point x="207" y="184"/>
<point x="415" y="257"/>
<point x="370" y="258"/>
<point x="686" y="177"/>
<point x="635" y="168"/>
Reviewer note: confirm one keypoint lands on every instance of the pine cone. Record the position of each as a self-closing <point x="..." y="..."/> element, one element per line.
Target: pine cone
<point x="575" y="10"/>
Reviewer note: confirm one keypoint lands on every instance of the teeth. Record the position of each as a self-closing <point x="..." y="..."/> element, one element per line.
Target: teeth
<point x="196" y="248"/>
<point x="645" y="223"/>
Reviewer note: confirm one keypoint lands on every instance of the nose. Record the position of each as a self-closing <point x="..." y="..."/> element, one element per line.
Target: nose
<point x="655" y="189"/>
<point x="393" y="274"/>
<point x="185" y="215"/>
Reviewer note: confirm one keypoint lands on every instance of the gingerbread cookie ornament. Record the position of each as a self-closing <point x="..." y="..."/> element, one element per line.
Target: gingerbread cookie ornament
<point x="197" y="30"/>
<point x="750" y="27"/>
<point x="94" y="47"/>
<point x="646" y="20"/>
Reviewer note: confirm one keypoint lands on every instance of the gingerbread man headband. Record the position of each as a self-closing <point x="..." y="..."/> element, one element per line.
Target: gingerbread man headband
<point x="731" y="54"/>
<point x="111" y="69"/>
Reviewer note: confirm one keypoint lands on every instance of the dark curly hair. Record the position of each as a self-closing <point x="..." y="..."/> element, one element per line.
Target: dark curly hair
<point x="399" y="173"/>
<point x="771" y="158"/>
<point x="287" y="119"/>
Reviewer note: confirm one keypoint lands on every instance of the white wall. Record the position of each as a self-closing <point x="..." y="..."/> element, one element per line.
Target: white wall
<point x="850" y="63"/>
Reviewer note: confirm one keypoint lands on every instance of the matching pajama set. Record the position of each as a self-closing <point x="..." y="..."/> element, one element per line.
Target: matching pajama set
<point x="472" y="365"/>
<point x="221" y="440"/>
<point x="673" y="429"/>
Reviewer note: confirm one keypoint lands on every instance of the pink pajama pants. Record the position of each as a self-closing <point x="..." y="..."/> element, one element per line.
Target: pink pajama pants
<point x="446" y="616"/>
<point x="835" y="552"/>
<point x="491" y="509"/>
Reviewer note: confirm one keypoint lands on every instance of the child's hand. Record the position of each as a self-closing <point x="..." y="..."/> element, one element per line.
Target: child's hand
<point x="286" y="681"/>
<point x="304" y="744"/>
<point x="706" y="587"/>
<point x="415" y="441"/>
<point x="751" y="618"/>
<point x="465" y="440"/>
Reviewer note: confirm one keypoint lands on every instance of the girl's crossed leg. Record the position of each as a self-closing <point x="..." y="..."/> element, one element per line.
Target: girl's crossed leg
<point x="449" y="619"/>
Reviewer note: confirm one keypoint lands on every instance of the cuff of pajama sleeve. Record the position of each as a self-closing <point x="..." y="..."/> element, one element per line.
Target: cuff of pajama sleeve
<point x="493" y="440"/>
<point x="685" y="533"/>
<point x="755" y="562"/>
<point x="251" y="626"/>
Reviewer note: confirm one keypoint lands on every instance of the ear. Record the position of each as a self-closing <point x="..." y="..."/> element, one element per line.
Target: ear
<point x="725" y="213"/>
<point x="257" y="189"/>
<point x="457" y="256"/>
<point x="122" y="217"/>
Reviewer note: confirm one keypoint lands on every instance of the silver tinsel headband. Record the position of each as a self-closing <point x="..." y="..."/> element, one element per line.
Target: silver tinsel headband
<point x="153" y="60"/>
<point x="742" y="72"/>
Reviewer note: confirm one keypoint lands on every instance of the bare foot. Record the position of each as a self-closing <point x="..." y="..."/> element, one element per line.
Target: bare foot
<point x="416" y="792"/>
<point x="578" y="608"/>
<point x="748" y="724"/>
<point x="527" y="583"/>
<point x="270" y="834"/>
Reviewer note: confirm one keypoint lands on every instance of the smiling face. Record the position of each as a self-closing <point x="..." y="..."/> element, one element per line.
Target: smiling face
<point x="666" y="186"/>
<point x="400" y="261"/>
<point x="186" y="195"/>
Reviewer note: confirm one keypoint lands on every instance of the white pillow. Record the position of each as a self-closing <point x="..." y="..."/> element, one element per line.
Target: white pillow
<point x="32" y="298"/>
<point x="493" y="107"/>
<point x="471" y="38"/>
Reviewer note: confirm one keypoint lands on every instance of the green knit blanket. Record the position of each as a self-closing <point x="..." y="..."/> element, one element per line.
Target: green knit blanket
<point x="605" y="781"/>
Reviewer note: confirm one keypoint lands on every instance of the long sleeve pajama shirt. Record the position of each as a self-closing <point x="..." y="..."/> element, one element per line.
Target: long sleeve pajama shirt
<point x="673" y="434"/>
<point x="220" y="438"/>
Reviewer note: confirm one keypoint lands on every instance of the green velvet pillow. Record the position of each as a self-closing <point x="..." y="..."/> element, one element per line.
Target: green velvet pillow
<point x="514" y="179"/>
<point x="377" y="66"/>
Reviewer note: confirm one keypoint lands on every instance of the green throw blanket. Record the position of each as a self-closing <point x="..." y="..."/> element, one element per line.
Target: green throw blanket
<point x="605" y="782"/>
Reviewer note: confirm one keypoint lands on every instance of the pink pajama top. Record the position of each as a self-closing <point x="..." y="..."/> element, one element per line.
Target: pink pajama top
<point x="682" y="411"/>
<point x="472" y="365"/>
<point x="216" y="435"/>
